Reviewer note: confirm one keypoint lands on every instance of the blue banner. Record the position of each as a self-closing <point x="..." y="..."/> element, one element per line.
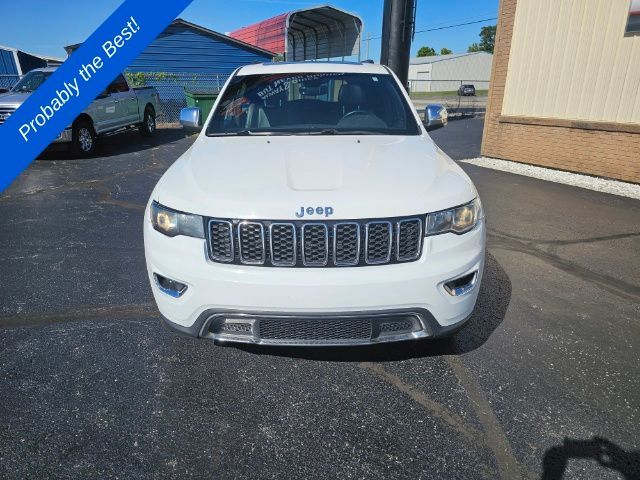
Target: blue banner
<point x="81" y="78"/>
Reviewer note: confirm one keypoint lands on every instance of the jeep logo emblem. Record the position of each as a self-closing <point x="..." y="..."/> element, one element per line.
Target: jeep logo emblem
<point x="326" y="211"/>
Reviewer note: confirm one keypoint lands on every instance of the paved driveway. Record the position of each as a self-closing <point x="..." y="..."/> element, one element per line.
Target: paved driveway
<point x="544" y="379"/>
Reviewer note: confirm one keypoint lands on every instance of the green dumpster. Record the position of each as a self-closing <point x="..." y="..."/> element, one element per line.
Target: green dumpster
<point x="203" y="99"/>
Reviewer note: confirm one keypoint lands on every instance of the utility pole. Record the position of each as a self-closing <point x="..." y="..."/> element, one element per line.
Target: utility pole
<point x="398" y="26"/>
<point x="367" y="57"/>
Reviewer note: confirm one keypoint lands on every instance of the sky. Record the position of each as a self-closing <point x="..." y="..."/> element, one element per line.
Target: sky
<point x="46" y="26"/>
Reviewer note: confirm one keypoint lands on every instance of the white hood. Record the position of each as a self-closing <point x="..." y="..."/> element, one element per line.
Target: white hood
<point x="272" y="177"/>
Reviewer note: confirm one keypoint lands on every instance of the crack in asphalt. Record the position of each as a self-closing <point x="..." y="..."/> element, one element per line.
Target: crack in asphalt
<point x="92" y="313"/>
<point x="618" y="236"/>
<point x="470" y="434"/>
<point x="531" y="247"/>
<point x="492" y="437"/>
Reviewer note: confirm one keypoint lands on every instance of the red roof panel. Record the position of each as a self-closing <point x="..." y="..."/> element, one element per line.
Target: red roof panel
<point x="268" y="34"/>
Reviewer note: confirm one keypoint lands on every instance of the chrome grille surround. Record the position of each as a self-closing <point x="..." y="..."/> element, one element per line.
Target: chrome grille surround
<point x="251" y="243"/>
<point x="279" y="241"/>
<point x="315" y="244"/>
<point x="407" y="231"/>
<point x="221" y="246"/>
<point x="339" y="247"/>
<point x="5" y="113"/>
<point x="378" y="242"/>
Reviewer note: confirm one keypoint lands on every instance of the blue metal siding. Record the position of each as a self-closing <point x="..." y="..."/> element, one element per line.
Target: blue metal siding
<point x="7" y="63"/>
<point x="182" y="49"/>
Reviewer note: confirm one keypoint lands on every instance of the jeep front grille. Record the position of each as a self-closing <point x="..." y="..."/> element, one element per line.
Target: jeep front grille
<point x="315" y="244"/>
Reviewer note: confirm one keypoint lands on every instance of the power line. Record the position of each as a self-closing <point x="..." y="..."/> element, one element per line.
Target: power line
<point x="457" y="25"/>
<point x="445" y="27"/>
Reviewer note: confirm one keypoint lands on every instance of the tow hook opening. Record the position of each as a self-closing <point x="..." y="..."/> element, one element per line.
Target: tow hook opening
<point x="173" y="288"/>
<point x="461" y="285"/>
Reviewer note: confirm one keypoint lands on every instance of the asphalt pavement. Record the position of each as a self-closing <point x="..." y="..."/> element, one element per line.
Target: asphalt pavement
<point x="543" y="383"/>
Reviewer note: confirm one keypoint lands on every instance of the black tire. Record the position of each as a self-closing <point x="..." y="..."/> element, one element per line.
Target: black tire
<point x="83" y="139"/>
<point x="148" y="127"/>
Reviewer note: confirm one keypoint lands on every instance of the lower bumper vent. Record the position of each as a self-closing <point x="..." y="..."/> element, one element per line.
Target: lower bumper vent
<point x="313" y="330"/>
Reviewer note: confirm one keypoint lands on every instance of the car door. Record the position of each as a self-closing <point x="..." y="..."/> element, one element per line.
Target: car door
<point x="103" y="111"/>
<point x="126" y="102"/>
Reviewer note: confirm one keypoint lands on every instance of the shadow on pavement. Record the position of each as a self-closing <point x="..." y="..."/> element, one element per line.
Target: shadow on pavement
<point x="605" y="452"/>
<point x="119" y="144"/>
<point x="491" y="308"/>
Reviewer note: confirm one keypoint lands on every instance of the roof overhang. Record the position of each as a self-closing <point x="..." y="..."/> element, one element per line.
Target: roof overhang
<point x="322" y="32"/>
<point x="217" y="35"/>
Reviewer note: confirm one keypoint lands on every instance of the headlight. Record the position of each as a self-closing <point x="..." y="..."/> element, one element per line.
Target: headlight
<point x="173" y="223"/>
<point x="457" y="220"/>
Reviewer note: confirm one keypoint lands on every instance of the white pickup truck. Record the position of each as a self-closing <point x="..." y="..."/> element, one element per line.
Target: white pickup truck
<point x="314" y="209"/>
<point x="117" y="109"/>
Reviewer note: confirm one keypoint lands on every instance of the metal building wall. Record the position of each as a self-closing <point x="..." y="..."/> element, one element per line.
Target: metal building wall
<point x="180" y="49"/>
<point x="468" y="67"/>
<point x="7" y="62"/>
<point x="570" y="59"/>
<point x="447" y="74"/>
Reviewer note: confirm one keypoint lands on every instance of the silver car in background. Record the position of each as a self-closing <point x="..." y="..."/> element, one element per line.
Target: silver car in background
<point x="117" y="109"/>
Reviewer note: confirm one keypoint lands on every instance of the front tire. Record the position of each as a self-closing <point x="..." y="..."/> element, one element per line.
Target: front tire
<point x="148" y="127"/>
<point x="83" y="139"/>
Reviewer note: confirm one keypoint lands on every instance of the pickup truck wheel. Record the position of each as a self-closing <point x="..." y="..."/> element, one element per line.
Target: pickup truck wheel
<point x="83" y="139"/>
<point x="148" y="127"/>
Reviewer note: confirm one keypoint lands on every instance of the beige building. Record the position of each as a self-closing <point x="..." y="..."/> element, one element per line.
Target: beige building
<point x="565" y="87"/>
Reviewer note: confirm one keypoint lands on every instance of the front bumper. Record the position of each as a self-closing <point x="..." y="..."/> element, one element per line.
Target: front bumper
<point x="253" y="297"/>
<point x="384" y="326"/>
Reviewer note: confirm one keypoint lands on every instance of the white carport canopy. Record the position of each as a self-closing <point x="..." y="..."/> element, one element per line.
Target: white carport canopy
<point x="322" y="32"/>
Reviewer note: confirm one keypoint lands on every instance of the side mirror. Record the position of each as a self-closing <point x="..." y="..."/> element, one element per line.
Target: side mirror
<point x="435" y="116"/>
<point x="191" y="118"/>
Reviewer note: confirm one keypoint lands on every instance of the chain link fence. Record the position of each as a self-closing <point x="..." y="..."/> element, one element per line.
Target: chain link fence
<point x="8" y="81"/>
<point x="450" y="93"/>
<point x="172" y="88"/>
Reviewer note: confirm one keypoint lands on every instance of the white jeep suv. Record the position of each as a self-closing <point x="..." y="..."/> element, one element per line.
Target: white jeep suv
<point x="314" y="209"/>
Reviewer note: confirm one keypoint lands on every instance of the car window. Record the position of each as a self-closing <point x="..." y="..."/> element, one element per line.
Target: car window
<point x="313" y="103"/>
<point x="31" y="81"/>
<point x="118" y="85"/>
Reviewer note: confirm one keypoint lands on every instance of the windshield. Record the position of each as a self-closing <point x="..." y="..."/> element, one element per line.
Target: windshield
<point x="313" y="103"/>
<point x="31" y="81"/>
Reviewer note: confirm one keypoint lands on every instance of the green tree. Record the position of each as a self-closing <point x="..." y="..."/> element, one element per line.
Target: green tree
<point x="445" y="51"/>
<point x="426" y="52"/>
<point x="488" y="38"/>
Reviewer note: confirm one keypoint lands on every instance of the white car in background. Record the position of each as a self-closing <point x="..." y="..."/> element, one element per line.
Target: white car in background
<point x="314" y="209"/>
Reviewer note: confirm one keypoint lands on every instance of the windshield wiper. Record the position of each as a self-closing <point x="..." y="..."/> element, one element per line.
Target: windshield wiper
<point x="335" y="131"/>
<point x="233" y="134"/>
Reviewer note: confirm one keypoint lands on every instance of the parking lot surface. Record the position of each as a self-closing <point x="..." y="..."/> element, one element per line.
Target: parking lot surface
<point x="542" y="383"/>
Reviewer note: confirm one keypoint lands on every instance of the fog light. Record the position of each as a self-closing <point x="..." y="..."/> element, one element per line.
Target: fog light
<point x="171" y="287"/>
<point x="461" y="285"/>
